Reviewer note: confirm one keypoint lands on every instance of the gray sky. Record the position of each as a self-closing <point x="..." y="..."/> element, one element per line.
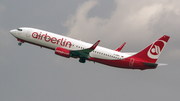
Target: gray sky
<point x="29" y="73"/>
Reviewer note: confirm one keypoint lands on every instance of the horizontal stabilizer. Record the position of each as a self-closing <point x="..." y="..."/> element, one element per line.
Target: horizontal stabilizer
<point x="150" y="64"/>
<point x="162" y="64"/>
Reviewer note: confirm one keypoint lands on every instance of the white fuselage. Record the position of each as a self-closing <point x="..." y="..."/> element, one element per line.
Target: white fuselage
<point x="51" y="40"/>
<point x="68" y="47"/>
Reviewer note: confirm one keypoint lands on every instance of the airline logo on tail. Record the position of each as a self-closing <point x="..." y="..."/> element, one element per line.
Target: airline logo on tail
<point x="156" y="49"/>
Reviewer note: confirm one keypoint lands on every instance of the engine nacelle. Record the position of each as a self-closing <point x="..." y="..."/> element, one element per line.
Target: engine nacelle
<point x="62" y="52"/>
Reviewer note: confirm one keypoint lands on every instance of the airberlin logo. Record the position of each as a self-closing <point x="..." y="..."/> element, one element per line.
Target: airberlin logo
<point x="156" y="49"/>
<point x="54" y="40"/>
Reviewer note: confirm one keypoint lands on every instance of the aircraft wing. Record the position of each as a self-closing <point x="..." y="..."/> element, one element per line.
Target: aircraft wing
<point x="85" y="52"/>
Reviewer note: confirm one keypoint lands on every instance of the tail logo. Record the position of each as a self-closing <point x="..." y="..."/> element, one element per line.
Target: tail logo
<point x="156" y="49"/>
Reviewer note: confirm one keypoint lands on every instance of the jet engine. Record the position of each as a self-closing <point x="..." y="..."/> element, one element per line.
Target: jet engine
<point x="62" y="52"/>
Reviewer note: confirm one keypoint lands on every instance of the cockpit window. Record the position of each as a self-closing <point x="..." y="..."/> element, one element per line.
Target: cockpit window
<point x="19" y="29"/>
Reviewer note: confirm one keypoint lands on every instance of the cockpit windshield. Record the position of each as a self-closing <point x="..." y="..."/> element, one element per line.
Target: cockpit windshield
<point x="19" y="29"/>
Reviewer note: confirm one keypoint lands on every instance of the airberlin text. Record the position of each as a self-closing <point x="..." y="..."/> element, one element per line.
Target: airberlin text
<point x="54" y="40"/>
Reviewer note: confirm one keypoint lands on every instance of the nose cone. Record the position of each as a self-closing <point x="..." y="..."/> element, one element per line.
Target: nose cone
<point x="13" y="32"/>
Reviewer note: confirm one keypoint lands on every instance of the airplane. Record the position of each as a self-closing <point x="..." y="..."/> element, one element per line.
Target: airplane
<point x="72" y="48"/>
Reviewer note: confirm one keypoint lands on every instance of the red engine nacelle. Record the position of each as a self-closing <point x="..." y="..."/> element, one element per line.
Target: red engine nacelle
<point x="62" y="52"/>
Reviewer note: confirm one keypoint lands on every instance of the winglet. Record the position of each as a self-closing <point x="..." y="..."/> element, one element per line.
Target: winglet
<point x="95" y="45"/>
<point x="120" y="48"/>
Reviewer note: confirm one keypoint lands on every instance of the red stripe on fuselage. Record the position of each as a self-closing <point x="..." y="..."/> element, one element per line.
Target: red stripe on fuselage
<point x="124" y="63"/>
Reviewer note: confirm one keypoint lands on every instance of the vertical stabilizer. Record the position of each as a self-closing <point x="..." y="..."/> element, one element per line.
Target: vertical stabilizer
<point x="152" y="52"/>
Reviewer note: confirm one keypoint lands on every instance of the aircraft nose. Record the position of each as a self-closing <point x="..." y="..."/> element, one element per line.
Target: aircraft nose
<point x="13" y="32"/>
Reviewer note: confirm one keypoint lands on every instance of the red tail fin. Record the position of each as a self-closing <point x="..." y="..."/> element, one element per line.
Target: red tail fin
<point x="152" y="52"/>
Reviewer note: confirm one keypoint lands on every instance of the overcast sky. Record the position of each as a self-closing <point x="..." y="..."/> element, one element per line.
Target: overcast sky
<point x="29" y="73"/>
